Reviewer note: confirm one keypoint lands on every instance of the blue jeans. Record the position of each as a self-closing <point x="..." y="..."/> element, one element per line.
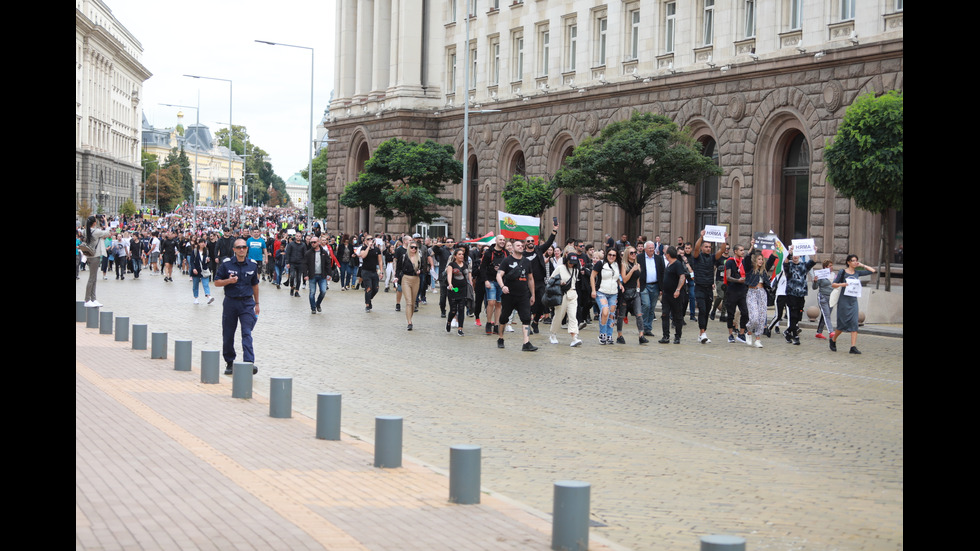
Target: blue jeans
<point x="346" y="274"/>
<point x="608" y="303"/>
<point x="690" y="294"/>
<point x="199" y="280"/>
<point x="648" y="300"/>
<point x="317" y="282"/>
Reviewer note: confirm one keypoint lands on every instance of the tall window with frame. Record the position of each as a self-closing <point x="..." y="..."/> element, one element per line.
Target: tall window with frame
<point x="749" y="19"/>
<point x="451" y="77"/>
<point x="847" y="10"/>
<point x="544" y="51"/>
<point x="472" y="83"/>
<point x="571" y="45"/>
<point x="634" y="45"/>
<point x="601" y="27"/>
<point x="494" y="61"/>
<point x="517" y="63"/>
<point x="795" y="14"/>
<point x="670" y="24"/>
<point x="708" y="23"/>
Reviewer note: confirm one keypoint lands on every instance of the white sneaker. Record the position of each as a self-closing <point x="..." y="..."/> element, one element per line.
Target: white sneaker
<point x="706" y="339"/>
<point x="93" y="303"/>
<point x="553" y="339"/>
<point x="509" y="328"/>
<point x="758" y="343"/>
<point x="748" y="339"/>
<point x="196" y="301"/>
<point x="702" y="338"/>
<point x="576" y="342"/>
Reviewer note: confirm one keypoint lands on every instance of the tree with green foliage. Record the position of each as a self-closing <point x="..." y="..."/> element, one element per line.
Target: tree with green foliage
<point x="632" y="161"/>
<point x="128" y="208"/>
<point x="529" y="196"/>
<point x="865" y="162"/>
<point x="163" y="188"/>
<point x="185" y="179"/>
<point x="319" y="184"/>
<point x="405" y="178"/>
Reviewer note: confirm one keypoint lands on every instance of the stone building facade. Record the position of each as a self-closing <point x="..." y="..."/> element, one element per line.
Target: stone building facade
<point x="108" y="85"/>
<point x="763" y="85"/>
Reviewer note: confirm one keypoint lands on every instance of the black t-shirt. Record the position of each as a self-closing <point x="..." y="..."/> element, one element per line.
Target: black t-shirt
<point x="515" y="272"/>
<point x="370" y="262"/>
<point x="672" y="276"/>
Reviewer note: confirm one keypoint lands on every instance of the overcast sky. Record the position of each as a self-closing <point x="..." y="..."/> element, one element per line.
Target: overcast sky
<point x="216" y="38"/>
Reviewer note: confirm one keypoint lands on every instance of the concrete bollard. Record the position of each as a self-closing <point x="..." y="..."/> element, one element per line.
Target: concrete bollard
<point x="570" y="522"/>
<point x="328" y="416"/>
<point x="158" y="346"/>
<point x="241" y="380"/>
<point x="79" y="311"/>
<point x="281" y="397"/>
<point x="388" y="441"/>
<point x="122" y="328"/>
<point x="91" y="317"/>
<point x="464" y="474"/>
<point x="722" y="543"/>
<point x="139" y="336"/>
<point x="182" y="355"/>
<point x="210" y="366"/>
<point x="105" y="323"/>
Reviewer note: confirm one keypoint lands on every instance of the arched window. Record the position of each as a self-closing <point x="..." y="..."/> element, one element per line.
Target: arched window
<point x="518" y="165"/>
<point x="706" y="201"/>
<point x="796" y="190"/>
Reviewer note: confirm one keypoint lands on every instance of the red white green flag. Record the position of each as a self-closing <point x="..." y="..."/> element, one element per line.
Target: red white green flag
<point x="515" y="226"/>
<point x="485" y="240"/>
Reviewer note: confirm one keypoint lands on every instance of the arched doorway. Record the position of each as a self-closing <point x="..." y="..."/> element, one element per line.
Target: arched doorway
<point x="473" y="196"/>
<point x="794" y="186"/>
<point x="706" y="194"/>
<point x="363" y="215"/>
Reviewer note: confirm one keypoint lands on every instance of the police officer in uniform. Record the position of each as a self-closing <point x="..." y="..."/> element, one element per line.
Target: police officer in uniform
<point x="240" y="278"/>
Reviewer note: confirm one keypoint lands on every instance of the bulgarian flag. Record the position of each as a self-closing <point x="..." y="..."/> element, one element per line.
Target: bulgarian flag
<point x="515" y="226"/>
<point x="485" y="240"/>
<point x="771" y="245"/>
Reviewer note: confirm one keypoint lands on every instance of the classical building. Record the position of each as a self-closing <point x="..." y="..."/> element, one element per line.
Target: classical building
<point x="298" y="189"/>
<point x="109" y="80"/>
<point x="762" y="84"/>
<point x="210" y="157"/>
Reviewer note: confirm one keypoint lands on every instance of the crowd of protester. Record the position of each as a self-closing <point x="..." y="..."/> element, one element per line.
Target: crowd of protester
<point x="500" y="284"/>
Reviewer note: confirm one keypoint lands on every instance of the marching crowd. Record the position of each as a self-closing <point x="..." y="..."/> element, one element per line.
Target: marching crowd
<point x="500" y="284"/>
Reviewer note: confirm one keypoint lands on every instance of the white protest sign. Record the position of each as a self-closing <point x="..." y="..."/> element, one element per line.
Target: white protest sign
<point x="824" y="273"/>
<point x="853" y="288"/>
<point x="804" y="247"/>
<point x="714" y="234"/>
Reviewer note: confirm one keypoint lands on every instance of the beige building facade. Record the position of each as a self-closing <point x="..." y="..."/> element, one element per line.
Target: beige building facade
<point x="762" y="84"/>
<point x="109" y="80"/>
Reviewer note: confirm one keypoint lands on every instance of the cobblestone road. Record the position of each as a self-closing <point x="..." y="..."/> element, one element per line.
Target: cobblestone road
<point x="791" y="447"/>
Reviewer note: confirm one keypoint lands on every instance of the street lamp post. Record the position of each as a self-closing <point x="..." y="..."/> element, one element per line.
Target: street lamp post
<point x="230" y="103"/>
<point x="309" y="172"/>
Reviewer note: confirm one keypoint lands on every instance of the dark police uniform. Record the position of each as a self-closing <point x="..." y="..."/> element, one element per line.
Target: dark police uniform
<point x="238" y="306"/>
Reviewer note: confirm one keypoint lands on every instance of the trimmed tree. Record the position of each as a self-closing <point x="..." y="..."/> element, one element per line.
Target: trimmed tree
<point x="632" y="162"/>
<point x="405" y="178"/>
<point x="529" y="196"/>
<point x="865" y="162"/>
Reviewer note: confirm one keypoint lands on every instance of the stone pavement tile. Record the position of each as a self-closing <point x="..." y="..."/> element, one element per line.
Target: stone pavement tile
<point x="163" y="461"/>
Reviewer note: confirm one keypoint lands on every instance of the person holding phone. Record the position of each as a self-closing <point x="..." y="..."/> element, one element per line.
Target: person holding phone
<point x="240" y="278"/>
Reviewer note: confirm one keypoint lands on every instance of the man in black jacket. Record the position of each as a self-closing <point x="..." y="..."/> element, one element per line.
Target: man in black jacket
<point x="651" y="279"/>
<point x="318" y="267"/>
<point x="295" y="262"/>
